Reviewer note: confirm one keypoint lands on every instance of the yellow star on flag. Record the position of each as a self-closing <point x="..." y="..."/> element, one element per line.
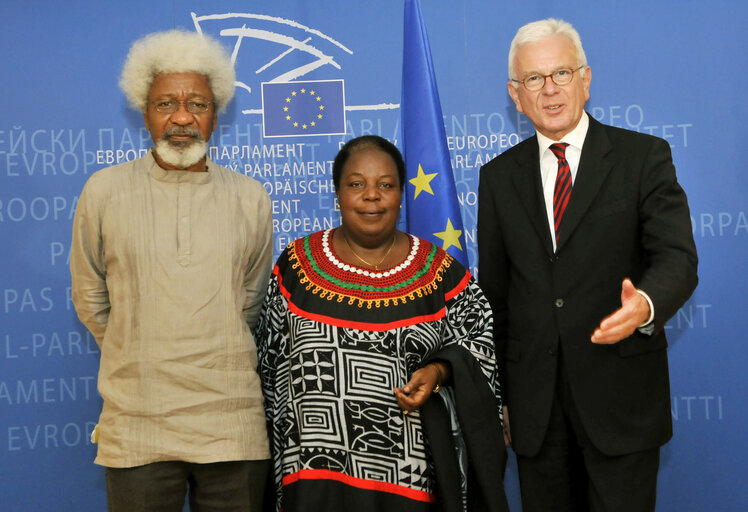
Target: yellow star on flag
<point x="422" y="182"/>
<point x="450" y="235"/>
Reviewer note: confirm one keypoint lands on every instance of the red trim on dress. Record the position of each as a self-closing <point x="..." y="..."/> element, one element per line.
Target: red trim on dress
<point x="371" y="485"/>
<point x="457" y="289"/>
<point x="366" y="326"/>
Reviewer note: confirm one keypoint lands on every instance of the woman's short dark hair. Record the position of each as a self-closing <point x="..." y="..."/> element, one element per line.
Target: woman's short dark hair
<point x="366" y="142"/>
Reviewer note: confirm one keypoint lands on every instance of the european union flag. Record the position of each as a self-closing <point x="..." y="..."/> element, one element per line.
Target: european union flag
<point x="433" y="211"/>
<point x="303" y="108"/>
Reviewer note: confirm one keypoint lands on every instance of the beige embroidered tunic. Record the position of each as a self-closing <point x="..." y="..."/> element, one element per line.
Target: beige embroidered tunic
<point x="169" y="271"/>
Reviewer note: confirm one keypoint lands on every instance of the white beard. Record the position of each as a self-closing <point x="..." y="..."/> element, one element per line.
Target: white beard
<point x="181" y="157"/>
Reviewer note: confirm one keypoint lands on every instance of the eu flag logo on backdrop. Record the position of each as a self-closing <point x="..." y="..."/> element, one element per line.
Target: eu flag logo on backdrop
<point x="303" y="108"/>
<point x="433" y="211"/>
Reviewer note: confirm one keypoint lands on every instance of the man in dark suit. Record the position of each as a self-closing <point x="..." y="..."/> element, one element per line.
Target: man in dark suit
<point x="586" y="251"/>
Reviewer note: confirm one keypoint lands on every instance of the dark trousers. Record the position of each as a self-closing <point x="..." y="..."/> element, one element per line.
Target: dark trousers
<point x="570" y="474"/>
<point x="161" y="486"/>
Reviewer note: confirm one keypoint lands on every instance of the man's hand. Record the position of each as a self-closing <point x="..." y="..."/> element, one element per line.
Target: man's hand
<point x="507" y="431"/>
<point x="622" y="323"/>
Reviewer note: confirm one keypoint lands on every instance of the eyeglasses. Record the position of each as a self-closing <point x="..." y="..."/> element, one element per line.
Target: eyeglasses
<point x="192" y="106"/>
<point x="537" y="81"/>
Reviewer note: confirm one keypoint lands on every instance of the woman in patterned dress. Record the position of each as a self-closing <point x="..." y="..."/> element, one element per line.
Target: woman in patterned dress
<point x="362" y="325"/>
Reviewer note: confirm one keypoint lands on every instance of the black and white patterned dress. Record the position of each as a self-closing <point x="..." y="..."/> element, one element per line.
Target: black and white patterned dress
<point x="333" y="342"/>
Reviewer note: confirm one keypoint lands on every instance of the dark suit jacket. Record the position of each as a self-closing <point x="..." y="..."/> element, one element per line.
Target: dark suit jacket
<point x="627" y="217"/>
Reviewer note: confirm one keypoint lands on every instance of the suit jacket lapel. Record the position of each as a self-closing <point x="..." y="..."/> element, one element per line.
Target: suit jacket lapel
<point x="530" y="191"/>
<point x="592" y="172"/>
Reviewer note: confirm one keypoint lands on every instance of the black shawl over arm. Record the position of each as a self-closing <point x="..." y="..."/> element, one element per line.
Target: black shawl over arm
<point x="478" y="414"/>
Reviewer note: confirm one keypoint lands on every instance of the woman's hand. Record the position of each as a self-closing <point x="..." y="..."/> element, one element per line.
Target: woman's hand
<point x="421" y="385"/>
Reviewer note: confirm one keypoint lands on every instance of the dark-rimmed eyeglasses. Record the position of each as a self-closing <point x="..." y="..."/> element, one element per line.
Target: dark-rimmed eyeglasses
<point x="192" y="106"/>
<point x="536" y="81"/>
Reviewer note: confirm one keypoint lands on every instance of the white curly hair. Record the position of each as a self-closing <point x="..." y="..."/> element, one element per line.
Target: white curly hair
<point x="176" y="51"/>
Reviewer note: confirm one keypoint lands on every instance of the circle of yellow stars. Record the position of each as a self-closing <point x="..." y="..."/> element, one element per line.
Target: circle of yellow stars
<point x="295" y="94"/>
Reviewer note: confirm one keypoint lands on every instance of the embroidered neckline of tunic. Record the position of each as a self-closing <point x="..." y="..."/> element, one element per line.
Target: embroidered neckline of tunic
<point x="414" y="243"/>
<point x="325" y="275"/>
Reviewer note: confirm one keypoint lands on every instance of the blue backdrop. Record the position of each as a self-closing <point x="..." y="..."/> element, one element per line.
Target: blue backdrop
<point x="663" y="67"/>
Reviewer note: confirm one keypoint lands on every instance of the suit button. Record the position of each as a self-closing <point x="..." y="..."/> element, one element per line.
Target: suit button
<point x="559" y="303"/>
<point x="551" y="351"/>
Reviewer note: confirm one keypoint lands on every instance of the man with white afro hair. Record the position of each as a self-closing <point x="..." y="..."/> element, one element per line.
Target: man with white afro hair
<point x="170" y="258"/>
<point x="176" y="51"/>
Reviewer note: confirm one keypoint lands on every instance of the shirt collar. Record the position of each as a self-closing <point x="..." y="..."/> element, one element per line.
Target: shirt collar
<point x="174" y="176"/>
<point x="574" y="138"/>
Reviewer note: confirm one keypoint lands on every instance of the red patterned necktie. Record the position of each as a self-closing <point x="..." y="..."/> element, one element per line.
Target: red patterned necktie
<point x="562" y="189"/>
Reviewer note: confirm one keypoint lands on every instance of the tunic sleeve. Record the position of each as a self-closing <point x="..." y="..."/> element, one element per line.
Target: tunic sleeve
<point x="470" y="326"/>
<point x="258" y="270"/>
<point x="87" y="268"/>
<point x="272" y="340"/>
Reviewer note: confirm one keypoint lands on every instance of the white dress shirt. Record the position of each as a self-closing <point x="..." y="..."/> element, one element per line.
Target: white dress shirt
<point x="549" y="170"/>
<point x="549" y="163"/>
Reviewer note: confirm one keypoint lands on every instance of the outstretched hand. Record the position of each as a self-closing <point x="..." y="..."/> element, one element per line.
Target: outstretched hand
<point x="623" y="322"/>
